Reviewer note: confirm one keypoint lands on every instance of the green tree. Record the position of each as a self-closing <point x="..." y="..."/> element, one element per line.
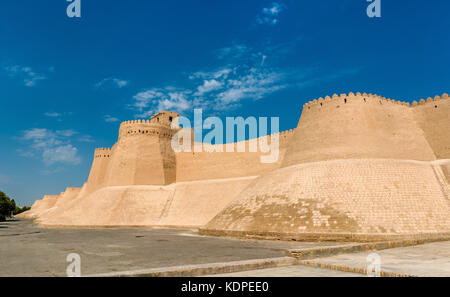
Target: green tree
<point x="21" y="209"/>
<point x="6" y="206"/>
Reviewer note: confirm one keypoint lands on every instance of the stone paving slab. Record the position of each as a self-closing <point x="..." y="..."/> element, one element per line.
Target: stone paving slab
<point x="427" y="260"/>
<point x="290" y="271"/>
<point x="204" y="269"/>
<point x="27" y="250"/>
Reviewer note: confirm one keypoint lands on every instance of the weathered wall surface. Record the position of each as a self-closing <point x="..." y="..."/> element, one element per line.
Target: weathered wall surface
<point x="184" y="204"/>
<point x="433" y="116"/>
<point x="120" y="206"/>
<point x="40" y="207"/>
<point x="98" y="167"/>
<point x="446" y="171"/>
<point x="357" y="126"/>
<point x="66" y="196"/>
<point x="62" y="201"/>
<point x="356" y="164"/>
<point x="341" y="197"/>
<point x="141" y="156"/>
<point x="204" y="165"/>
<point x="196" y="203"/>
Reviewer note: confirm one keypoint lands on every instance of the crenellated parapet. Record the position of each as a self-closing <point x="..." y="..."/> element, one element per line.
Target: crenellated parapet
<point x="284" y="137"/>
<point x="358" y="125"/>
<point x="135" y="122"/>
<point x="339" y="100"/>
<point x="430" y="100"/>
<point x="145" y="128"/>
<point x="102" y="153"/>
<point x="432" y="115"/>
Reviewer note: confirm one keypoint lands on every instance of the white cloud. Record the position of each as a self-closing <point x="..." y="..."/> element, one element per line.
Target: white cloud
<point x="51" y="171"/>
<point x="234" y="51"/>
<point x="253" y="83"/>
<point x="66" y="133"/>
<point x="219" y="89"/>
<point x="85" y="138"/>
<point x="52" y="114"/>
<point x="29" y="77"/>
<point x="175" y="101"/>
<point x="150" y="101"/>
<point x="208" y="86"/>
<point x="53" y="146"/>
<point x="274" y="10"/>
<point x="270" y="15"/>
<point x="61" y="154"/>
<point x="24" y="153"/>
<point x="110" y="119"/>
<point x="251" y="77"/>
<point x="112" y="82"/>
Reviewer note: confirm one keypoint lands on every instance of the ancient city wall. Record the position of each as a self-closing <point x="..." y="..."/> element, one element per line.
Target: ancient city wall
<point x="339" y="200"/>
<point x="433" y="117"/>
<point x="357" y="126"/>
<point x="66" y="196"/>
<point x="357" y="166"/>
<point x="98" y="167"/>
<point x="204" y="165"/>
<point x="190" y="204"/>
<point x="40" y="207"/>
<point x="142" y="156"/>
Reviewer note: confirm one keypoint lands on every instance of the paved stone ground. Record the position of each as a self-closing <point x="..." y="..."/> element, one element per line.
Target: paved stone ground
<point x="27" y="250"/>
<point x="432" y="259"/>
<point x="290" y="271"/>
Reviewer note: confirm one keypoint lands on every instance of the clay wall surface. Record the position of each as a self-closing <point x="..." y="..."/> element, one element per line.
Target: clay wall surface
<point x="356" y="164"/>
<point x="204" y="165"/>
<point x="67" y="195"/>
<point x="184" y="204"/>
<point x="342" y="196"/>
<point x="433" y="116"/>
<point x="98" y="167"/>
<point x="446" y="170"/>
<point x="357" y="126"/>
<point x="195" y="203"/>
<point x="40" y="207"/>
<point x="141" y="156"/>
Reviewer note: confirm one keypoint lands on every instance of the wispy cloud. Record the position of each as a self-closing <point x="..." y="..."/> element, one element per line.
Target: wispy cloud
<point x="208" y="86"/>
<point x="149" y="101"/>
<point x="50" y="171"/>
<point x="112" y="82"/>
<point x="52" y="114"/>
<point x="53" y="146"/>
<point x="219" y="89"/>
<point x="110" y="119"/>
<point x="246" y="74"/>
<point x="59" y="116"/>
<point x="270" y="15"/>
<point x="85" y="138"/>
<point x="29" y="77"/>
<point x="234" y="51"/>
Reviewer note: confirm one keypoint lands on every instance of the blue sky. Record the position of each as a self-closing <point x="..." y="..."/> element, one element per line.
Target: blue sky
<point x="66" y="84"/>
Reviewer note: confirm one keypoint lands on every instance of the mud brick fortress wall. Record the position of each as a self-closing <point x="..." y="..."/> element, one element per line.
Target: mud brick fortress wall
<point x="228" y="164"/>
<point x="358" y="166"/>
<point x="369" y="126"/>
<point x="143" y="156"/>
